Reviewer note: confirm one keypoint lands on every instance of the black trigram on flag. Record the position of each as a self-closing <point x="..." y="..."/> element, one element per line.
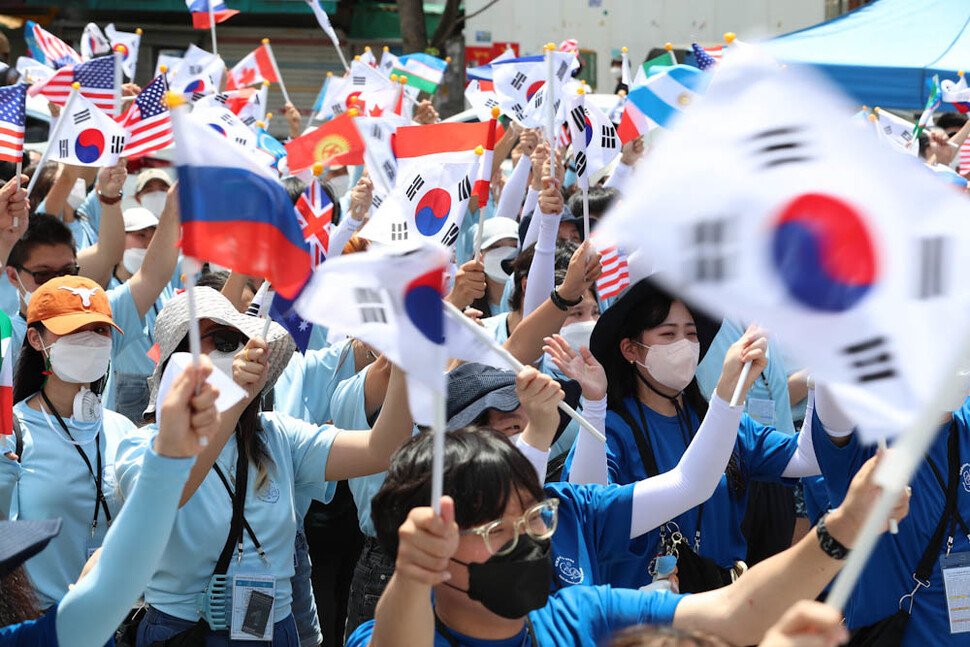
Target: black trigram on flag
<point x="117" y="144"/>
<point x="227" y="117"/>
<point x="222" y="98"/>
<point x="932" y="261"/>
<point x="377" y="132"/>
<point x="371" y="305"/>
<point x="399" y="231"/>
<point x="416" y="185"/>
<point x="608" y="139"/>
<point x="81" y="116"/>
<point x="337" y="108"/>
<point x="870" y="360"/>
<point x="464" y="189"/>
<point x="561" y="72"/>
<point x="62" y="148"/>
<point x="450" y="236"/>
<point x="538" y="98"/>
<point x="376" y="200"/>
<point x="709" y="255"/>
<point x="241" y="141"/>
<point x="490" y="103"/>
<point x="249" y="120"/>
<point x="780" y="146"/>
<point x="389" y="171"/>
<point x="195" y="69"/>
<point x="579" y="118"/>
<point x="580" y="163"/>
<point x="518" y="80"/>
<point x="518" y="112"/>
<point x="198" y="95"/>
<point x="359" y="80"/>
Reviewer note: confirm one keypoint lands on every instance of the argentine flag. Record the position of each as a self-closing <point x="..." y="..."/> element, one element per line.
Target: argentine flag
<point x="662" y="98"/>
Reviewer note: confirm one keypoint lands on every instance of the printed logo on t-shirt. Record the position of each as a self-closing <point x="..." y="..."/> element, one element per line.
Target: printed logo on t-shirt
<point x="269" y="494"/>
<point x="965" y="476"/>
<point x="569" y="573"/>
<point x="108" y="483"/>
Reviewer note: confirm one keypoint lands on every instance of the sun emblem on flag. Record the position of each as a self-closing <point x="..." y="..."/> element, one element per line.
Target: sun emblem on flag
<point x="331" y="146"/>
<point x="683" y="99"/>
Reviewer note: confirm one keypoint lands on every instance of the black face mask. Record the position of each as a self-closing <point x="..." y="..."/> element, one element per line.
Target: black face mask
<point x="512" y="585"/>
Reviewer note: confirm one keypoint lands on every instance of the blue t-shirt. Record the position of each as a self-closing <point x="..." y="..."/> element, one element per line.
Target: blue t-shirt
<point x="576" y="615"/>
<point x="763" y="452"/>
<point x="42" y="631"/>
<point x="299" y="452"/>
<point x="51" y="480"/>
<point x="889" y="572"/>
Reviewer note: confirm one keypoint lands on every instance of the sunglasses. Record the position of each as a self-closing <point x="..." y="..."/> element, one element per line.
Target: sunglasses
<point x="43" y="276"/>
<point x="225" y="340"/>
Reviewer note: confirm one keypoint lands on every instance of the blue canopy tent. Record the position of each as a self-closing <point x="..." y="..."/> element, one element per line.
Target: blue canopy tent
<point x="883" y="53"/>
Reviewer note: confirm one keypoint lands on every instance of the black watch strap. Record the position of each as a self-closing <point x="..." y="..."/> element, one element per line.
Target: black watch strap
<point x="561" y="303"/>
<point x="829" y="544"/>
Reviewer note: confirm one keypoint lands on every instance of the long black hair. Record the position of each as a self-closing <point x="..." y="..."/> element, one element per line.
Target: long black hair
<point x="31" y="373"/>
<point x="482" y="471"/>
<point x="622" y="377"/>
<point x="18" y="602"/>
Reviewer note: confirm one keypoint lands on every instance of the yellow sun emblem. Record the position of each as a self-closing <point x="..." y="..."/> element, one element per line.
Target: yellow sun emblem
<point x="683" y="99"/>
<point x="329" y="147"/>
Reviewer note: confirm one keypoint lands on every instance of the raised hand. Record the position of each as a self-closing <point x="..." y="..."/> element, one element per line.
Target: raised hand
<point x="581" y="366"/>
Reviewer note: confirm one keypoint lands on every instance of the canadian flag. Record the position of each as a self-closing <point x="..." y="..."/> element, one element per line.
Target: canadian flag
<point x="256" y="67"/>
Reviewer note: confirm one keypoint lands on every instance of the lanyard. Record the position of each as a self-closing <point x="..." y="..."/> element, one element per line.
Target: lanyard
<point x="232" y="495"/>
<point x="528" y="639"/>
<point x="99" y="499"/>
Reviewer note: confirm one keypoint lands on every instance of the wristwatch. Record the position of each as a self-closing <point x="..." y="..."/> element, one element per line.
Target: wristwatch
<point x="562" y="303"/>
<point x="106" y="200"/>
<point x="829" y="544"/>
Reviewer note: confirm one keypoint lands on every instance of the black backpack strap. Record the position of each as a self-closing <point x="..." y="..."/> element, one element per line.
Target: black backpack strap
<point x="238" y="506"/>
<point x="925" y="566"/>
<point x="640" y="436"/>
<point x="19" y="438"/>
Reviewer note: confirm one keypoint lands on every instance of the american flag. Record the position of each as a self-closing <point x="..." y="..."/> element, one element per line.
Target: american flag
<point x="97" y="79"/>
<point x="147" y="121"/>
<point x="715" y="52"/>
<point x="964" y="155"/>
<point x="314" y="211"/>
<point x="616" y="273"/>
<point x="13" y="99"/>
<point x="705" y="60"/>
<point x="48" y="48"/>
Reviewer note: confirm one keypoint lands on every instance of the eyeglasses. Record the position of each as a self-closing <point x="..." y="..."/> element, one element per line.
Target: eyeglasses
<point x="43" y="276"/>
<point x="227" y="340"/>
<point x="502" y="536"/>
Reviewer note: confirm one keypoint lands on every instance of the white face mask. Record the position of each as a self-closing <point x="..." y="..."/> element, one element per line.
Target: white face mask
<point x="673" y="365"/>
<point x="616" y="72"/>
<point x="223" y="361"/>
<point x="154" y="201"/>
<point x="340" y="185"/>
<point x="578" y="334"/>
<point x="493" y="263"/>
<point x="133" y="258"/>
<point x="78" y="193"/>
<point x="80" y="358"/>
<point x="26" y="294"/>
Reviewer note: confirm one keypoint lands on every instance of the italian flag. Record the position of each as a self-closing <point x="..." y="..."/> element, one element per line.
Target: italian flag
<point x="6" y="376"/>
<point x="422" y="70"/>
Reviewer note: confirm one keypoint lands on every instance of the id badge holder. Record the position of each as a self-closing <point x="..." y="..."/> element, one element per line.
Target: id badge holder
<point x="763" y="411"/>
<point x="253" y="599"/>
<point x="956" y="581"/>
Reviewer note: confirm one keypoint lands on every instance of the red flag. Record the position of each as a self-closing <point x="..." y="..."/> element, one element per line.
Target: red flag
<point x="335" y="143"/>
<point x="256" y="67"/>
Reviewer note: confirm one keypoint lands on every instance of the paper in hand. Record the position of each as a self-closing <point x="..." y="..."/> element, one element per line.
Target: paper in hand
<point x="229" y="392"/>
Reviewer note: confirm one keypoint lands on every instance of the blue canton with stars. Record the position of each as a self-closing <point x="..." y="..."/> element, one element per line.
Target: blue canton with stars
<point x="704" y="60"/>
<point x="98" y="74"/>
<point x="12" y="100"/>
<point x="149" y="100"/>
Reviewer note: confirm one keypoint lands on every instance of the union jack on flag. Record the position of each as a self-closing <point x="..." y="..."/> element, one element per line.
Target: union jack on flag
<point x="97" y="79"/>
<point x="147" y="121"/>
<point x="12" y="108"/>
<point x="314" y="211"/>
<point x="616" y="273"/>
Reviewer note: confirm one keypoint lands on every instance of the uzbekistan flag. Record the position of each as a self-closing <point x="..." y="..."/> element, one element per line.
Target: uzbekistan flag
<point x="6" y="376"/>
<point x="234" y="210"/>
<point x="200" y="12"/>
<point x="423" y="70"/>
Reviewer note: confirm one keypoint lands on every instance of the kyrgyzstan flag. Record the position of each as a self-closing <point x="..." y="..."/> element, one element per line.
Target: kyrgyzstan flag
<point x="336" y="142"/>
<point x="234" y="210"/>
<point x="257" y="66"/>
<point x="448" y="143"/>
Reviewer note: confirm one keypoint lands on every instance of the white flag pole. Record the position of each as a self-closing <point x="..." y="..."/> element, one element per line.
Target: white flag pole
<point x="480" y="151"/>
<point x="134" y="65"/>
<point x="896" y="470"/>
<point x="118" y="82"/>
<point x="340" y="53"/>
<point x="263" y="100"/>
<point x="55" y="133"/>
<point x="893" y="524"/>
<point x="276" y="69"/>
<point x="487" y="339"/>
<point x="745" y="371"/>
<point x="20" y="165"/>
<point x="212" y="28"/>
<point x="439" y="424"/>
<point x="191" y="267"/>
<point x="550" y="113"/>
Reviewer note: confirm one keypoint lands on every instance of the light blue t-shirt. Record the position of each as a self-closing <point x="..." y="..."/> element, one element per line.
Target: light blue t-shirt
<point x="299" y="452"/>
<point x="349" y="412"/>
<point x="465" y="245"/>
<point x="306" y="386"/>
<point x="498" y="327"/>
<point x="575" y="615"/>
<point x="86" y="223"/>
<point x="767" y="400"/>
<point x="9" y="298"/>
<point x="51" y="480"/>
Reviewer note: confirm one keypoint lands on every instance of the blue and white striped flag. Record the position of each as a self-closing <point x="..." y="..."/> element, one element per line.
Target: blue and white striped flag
<point x="665" y="95"/>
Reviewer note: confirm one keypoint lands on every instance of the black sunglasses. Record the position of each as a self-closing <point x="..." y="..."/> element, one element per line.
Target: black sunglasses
<point x="43" y="276"/>
<point x="225" y="340"/>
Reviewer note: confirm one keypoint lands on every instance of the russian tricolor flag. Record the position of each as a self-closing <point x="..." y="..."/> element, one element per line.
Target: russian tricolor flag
<point x="200" y="12"/>
<point x="234" y="210"/>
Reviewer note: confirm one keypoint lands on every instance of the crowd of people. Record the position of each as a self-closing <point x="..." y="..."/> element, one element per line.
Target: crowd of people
<point x="141" y="511"/>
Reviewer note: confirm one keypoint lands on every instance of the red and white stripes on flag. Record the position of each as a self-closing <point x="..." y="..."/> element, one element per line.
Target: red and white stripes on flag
<point x="147" y="121"/>
<point x="55" y="52"/>
<point x="98" y="84"/>
<point x="314" y="212"/>
<point x="964" y="155"/>
<point x="715" y="52"/>
<point x="12" y="108"/>
<point x="616" y="273"/>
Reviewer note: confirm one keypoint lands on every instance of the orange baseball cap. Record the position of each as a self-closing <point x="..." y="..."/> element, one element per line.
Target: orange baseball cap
<point x="67" y="303"/>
